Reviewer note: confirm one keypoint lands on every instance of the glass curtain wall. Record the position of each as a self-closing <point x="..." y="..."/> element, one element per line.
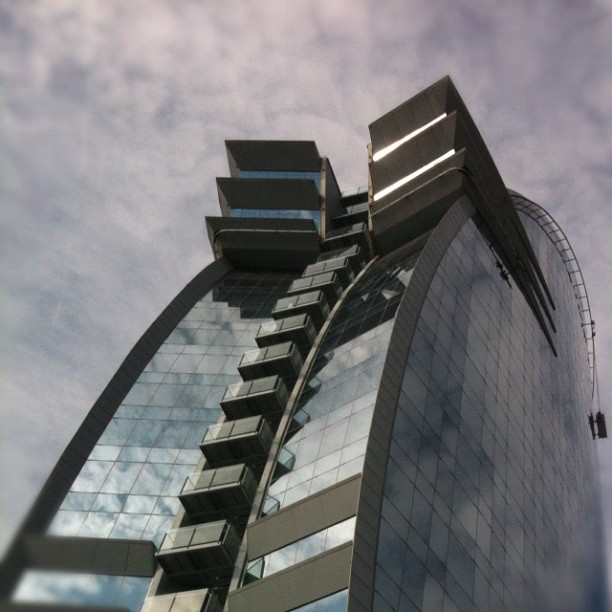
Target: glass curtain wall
<point x="483" y="480"/>
<point x="128" y="486"/>
<point x="340" y="392"/>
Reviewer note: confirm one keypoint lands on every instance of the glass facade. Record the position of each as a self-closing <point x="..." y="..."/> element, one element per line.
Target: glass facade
<point x="274" y="213"/>
<point x="281" y="174"/>
<point x="487" y="491"/>
<point x="340" y="392"/>
<point x="128" y="486"/>
<point x="44" y="587"/>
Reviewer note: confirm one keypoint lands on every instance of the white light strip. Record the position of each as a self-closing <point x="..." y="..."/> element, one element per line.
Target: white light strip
<point x="406" y="179"/>
<point x="380" y="154"/>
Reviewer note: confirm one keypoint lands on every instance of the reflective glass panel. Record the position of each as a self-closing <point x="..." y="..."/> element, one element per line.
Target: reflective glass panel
<point x="491" y="472"/>
<point x="128" y="486"/>
<point x="339" y="394"/>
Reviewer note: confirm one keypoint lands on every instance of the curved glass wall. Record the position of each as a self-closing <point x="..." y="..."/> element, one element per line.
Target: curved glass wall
<point x="341" y="389"/>
<point x="128" y="486"/>
<point x="489" y="499"/>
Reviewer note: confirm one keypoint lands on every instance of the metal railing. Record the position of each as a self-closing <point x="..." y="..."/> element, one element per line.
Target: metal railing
<point x="559" y="239"/>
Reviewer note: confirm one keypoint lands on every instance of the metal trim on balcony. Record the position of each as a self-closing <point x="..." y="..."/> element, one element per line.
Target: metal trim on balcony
<point x="268" y="193"/>
<point x="273" y="155"/>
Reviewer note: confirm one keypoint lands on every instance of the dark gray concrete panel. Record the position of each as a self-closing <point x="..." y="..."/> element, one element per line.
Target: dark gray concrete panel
<point x="415" y="153"/>
<point x="371" y="495"/>
<point x="273" y="155"/>
<point x="299" y="520"/>
<point x="332" y="197"/>
<point x="413" y="210"/>
<point x="296" y="586"/>
<point x="104" y="556"/>
<point x="255" y="244"/>
<point x="410" y="115"/>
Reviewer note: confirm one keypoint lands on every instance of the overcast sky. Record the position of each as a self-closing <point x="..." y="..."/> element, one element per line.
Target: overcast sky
<point x="113" y="116"/>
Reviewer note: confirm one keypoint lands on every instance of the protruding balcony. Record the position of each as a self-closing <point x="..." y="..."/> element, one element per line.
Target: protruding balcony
<point x="225" y="492"/>
<point x="298" y="329"/>
<point x="244" y="440"/>
<point x="200" y="600"/>
<point x="312" y="303"/>
<point x="328" y="282"/>
<point x="340" y="265"/>
<point x="265" y="396"/>
<point x="283" y="360"/>
<point x="347" y="236"/>
<point x="358" y="213"/>
<point x="354" y="253"/>
<point x="201" y="554"/>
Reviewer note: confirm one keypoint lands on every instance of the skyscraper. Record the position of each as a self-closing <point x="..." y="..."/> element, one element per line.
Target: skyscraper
<point x="376" y="400"/>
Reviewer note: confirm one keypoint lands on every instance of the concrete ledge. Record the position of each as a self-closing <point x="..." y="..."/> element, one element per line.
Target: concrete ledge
<point x="303" y="518"/>
<point x="298" y="585"/>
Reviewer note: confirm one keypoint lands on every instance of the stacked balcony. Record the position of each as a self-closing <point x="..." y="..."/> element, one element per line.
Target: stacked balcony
<point x="245" y="440"/>
<point x="283" y="359"/>
<point x="266" y="396"/>
<point x="327" y="282"/>
<point x="200" y="555"/>
<point x="340" y="265"/>
<point x="298" y="329"/>
<point x="357" y="213"/>
<point x="356" y="233"/>
<point x="224" y="492"/>
<point x="312" y="303"/>
<point x="353" y="253"/>
<point x="218" y="498"/>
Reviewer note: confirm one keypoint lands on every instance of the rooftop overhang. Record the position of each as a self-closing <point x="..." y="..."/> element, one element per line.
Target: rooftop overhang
<point x="279" y="194"/>
<point x="273" y="156"/>
<point x="428" y="152"/>
<point x="264" y="244"/>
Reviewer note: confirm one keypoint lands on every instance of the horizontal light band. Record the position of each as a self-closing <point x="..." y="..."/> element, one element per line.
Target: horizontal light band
<point x="413" y="175"/>
<point x="380" y="154"/>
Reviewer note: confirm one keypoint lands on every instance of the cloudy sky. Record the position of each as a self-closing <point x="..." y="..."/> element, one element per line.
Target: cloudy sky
<point x="113" y="116"/>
